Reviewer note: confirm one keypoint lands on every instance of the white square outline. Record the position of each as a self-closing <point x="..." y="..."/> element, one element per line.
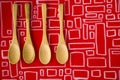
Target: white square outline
<point x="83" y="59"/>
<point x="71" y="31"/>
<point x="69" y="21"/>
<point x="3" y="75"/>
<point x="74" y="11"/>
<point x="92" y="73"/>
<point x="105" y="77"/>
<point x="69" y="70"/>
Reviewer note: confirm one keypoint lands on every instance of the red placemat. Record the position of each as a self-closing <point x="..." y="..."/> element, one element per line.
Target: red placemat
<point x="92" y="34"/>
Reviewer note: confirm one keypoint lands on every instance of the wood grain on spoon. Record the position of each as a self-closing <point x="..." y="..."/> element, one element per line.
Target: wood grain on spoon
<point x="62" y="51"/>
<point x="28" y="49"/>
<point x="14" y="50"/>
<point x="44" y="50"/>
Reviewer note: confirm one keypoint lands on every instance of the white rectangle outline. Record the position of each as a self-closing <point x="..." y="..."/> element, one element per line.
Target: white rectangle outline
<point x="105" y="64"/>
<point x="76" y="22"/>
<point x="94" y="75"/>
<point x="37" y="11"/>
<point x="68" y="69"/>
<point x="68" y="23"/>
<point x="10" y="66"/>
<point x="83" y="59"/>
<point x="109" y="54"/>
<point x="3" y="43"/>
<point x="4" y="62"/>
<point x="98" y="2"/>
<point x="111" y="35"/>
<point x="93" y="35"/>
<point x="85" y="25"/>
<point x="41" y="70"/>
<point x="90" y="54"/>
<point x="25" y="72"/>
<point x="92" y="20"/>
<point x="86" y="15"/>
<point x="95" y="6"/>
<point x="60" y="70"/>
<point x="112" y="26"/>
<point x="115" y="52"/>
<point x="114" y="44"/>
<point x="4" y="71"/>
<point x="110" y="78"/>
<point x="2" y="35"/>
<point x="96" y="40"/>
<point x="69" y="36"/>
<point x="110" y="15"/>
<point x="2" y="54"/>
<point x="40" y="26"/>
<point x="68" y="7"/>
<point x="54" y="12"/>
<point x="109" y="5"/>
<point x="49" y="75"/>
<point x="53" y="26"/>
<point x="81" y="77"/>
<point x="74" y="11"/>
<point x="81" y="48"/>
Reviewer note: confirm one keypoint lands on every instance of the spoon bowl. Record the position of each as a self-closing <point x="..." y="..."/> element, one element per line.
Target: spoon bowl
<point x="28" y="53"/>
<point x="14" y="53"/>
<point x="62" y="53"/>
<point x="45" y="54"/>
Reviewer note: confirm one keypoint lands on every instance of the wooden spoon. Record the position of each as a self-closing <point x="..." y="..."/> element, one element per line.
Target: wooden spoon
<point x="14" y="50"/>
<point x="44" y="50"/>
<point x="62" y="51"/>
<point x="28" y="49"/>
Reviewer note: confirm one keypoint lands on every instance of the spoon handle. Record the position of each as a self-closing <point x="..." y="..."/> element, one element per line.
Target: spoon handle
<point x="44" y="13"/>
<point x="60" y="10"/>
<point x="27" y="15"/>
<point x="14" y="10"/>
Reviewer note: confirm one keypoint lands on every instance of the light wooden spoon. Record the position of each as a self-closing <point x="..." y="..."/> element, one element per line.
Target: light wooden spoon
<point x="62" y="51"/>
<point x="28" y="49"/>
<point x="14" y="50"/>
<point x="44" y="50"/>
